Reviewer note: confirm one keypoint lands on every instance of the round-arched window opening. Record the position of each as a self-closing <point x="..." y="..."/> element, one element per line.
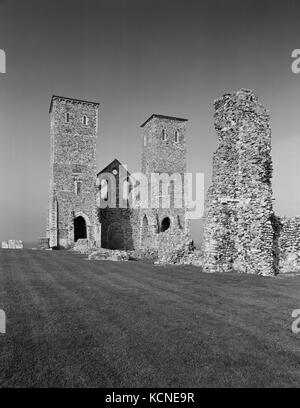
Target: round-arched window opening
<point x="165" y="224"/>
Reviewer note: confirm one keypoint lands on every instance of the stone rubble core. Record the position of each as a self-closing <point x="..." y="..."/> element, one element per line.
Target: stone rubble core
<point x="103" y="254"/>
<point x="173" y="248"/>
<point x="177" y="249"/>
<point x="289" y="244"/>
<point x="84" y="246"/>
<point x="12" y="244"/>
<point x="239" y="232"/>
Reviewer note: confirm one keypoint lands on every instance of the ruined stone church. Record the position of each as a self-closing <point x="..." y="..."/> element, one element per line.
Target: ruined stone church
<point x="75" y="184"/>
<point x="241" y="231"/>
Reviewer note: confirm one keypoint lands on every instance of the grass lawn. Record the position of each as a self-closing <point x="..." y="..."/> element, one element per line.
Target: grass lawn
<point x="78" y="323"/>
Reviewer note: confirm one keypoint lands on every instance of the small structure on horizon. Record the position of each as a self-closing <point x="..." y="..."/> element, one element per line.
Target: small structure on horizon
<point x="12" y="244"/>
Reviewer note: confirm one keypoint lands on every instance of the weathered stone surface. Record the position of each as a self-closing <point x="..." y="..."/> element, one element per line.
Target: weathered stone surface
<point x="143" y="254"/>
<point x="176" y="248"/>
<point x="103" y="254"/>
<point x="238" y="232"/>
<point x="72" y="196"/>
<point x="163" y="152"/>
<point x="289" y="244"/>
<point x="139" y="227"/>
<point x="84" y="246"/>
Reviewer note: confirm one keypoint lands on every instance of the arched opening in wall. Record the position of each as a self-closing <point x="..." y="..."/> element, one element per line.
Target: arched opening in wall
<point x="127" y="187"/>
<point x="79" y="228"/>
<point x="145" y="225"/>
<point x="115" y="236"/>
<point x="165" y="224"/>
<point x="145" y="231"/>
<point x="104" y="189"/>
<point x="179" y="222"/>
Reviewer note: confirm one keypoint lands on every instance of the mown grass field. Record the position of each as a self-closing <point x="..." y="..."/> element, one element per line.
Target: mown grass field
<point x="78" y="323"/>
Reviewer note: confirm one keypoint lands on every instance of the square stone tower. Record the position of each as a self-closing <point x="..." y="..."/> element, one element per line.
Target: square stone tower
<point x="163" y="153"/>
<point x="72" y="195"/>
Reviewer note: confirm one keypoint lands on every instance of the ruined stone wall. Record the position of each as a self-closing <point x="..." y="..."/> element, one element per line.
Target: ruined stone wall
<point x="238" y="231"/>
<point x="72" y="170"/>
<point x="289" y="244"/>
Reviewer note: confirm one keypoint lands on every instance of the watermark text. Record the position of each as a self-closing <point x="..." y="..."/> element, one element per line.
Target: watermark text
<point x="2" y="62"/>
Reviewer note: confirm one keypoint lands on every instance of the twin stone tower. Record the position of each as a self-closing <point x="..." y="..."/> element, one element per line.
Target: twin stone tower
<point x="74" y="212"/>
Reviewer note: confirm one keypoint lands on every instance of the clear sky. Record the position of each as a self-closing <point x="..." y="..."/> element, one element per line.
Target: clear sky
<point x="138" y="57"/>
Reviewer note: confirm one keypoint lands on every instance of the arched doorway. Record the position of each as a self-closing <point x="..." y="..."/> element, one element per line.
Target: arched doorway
<point x="115" y="236"/>
<point x="165" y="224"/>
<point x="79" y="228"/>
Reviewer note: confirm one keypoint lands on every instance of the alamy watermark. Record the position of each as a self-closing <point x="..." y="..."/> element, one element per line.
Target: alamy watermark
<point x="2" y="62"/>
<point x="152" y="191"/>
<point x="296" y="322"/>
<point x="296" y="62"/>
<point x="2" y="322"/>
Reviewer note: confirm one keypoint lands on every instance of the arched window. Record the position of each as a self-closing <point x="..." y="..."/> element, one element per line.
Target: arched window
<point x="85" y="120"/>
<point x="77" y="186"/>
<point x="104" y="189"/>
<point x="176" y="136"/>
<point x="165" y="224"/>
<point x="126" y="189"/>
<point x="164" y="135"/>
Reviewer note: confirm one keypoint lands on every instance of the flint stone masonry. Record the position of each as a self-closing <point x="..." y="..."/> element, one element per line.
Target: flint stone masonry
<point x="84" y="246"/>
<point x="74" y="214"/>
<point x="108" y="255"/>
<point x="175" y="248"/>
<point x="289" y="244"/>
<point x="72" y="194"/>
<point x="238" y="232"/>
<point x="163" y="151"/>
<point x="139" y="228"/>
